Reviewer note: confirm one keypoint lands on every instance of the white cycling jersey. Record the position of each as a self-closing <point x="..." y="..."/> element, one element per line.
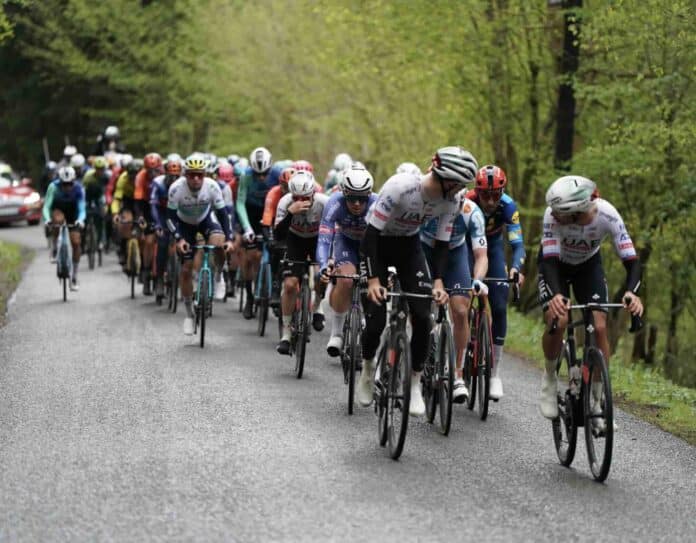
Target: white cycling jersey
<point x="575" y="244"/>
<point x="401" y="208"/>
<point x="193" y="208"/>
<point x="304" y="225"/>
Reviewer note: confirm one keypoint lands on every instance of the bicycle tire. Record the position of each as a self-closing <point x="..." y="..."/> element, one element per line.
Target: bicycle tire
<point x="445" y="376"/>
<point x="354" y="353"/>
<point x="242" y="292"/>
<point x="469" y="364"/>
<point x="302" y="330"/>
<point x="382" y="393"/>
<point x="399" y="396"/>
<point x="65" y="289"/>
<point x="90" y="246"/>
<point x="429" y="379"/>
<point x="564" y="427"/>
<point x="599" y="466"/>
<point x="483" y="373"/>
<point x="262" y="301"/>
<point x="204" y="282"/>
<point x="175" y="284"/>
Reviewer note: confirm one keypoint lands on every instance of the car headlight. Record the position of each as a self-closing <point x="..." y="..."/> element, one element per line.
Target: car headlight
<point x="33" y="198"/>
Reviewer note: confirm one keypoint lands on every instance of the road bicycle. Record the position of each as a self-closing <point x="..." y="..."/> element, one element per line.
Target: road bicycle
<point x="351" y="351"/>
<point x="437" y="379"/>
<point x="262" y="293"/>
<point x="587" y="399"/>
<point x="478" y="357"/>
<point x="171" y="283"/>
<point x="203" y="300"/>
<point x="301" y="315"/>
<point x="133" y="258"/>
<point x="392" y="384"/>
<point x="64" y="265"/>
<point x="92" y="239"/>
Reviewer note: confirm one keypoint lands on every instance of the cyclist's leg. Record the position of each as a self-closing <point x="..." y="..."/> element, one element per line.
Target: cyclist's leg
<point x="497" y="297"/>
<point x="253" y="257"/>
<point x="276" y="272"/>
<point x="214" y="234"/>
<point x="346" y="263"/>
<point x="590" y="285"/>
<point x="125" y="232"/>
<point x="188" y="233"/>
<point x="291" y="286"/>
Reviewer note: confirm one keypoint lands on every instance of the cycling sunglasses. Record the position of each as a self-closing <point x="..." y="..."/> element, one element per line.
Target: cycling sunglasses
<point x="492" y="194"/>
<point x="356" y="199"/>
<point x="301" y="198"/>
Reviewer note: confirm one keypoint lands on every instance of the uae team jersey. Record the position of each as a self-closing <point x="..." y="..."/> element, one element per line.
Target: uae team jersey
<point x="304" y="225"/>
<point x="193" y="208"/>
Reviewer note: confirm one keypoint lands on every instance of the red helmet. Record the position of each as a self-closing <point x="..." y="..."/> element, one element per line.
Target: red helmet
<point x="285" y="176"/>
<point x="173" y="167"/>
<point x="490" y="178"/>
<point x="153" y="161"/>
<point x="226" y="172"/>
<point x="303" y="165"/>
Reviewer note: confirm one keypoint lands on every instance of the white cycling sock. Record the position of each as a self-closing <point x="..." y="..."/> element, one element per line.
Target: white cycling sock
<point x="189" y="307"/>
<point x="337" y="323"/>
<point x="497" y="359"/>
<point x="550" y="367"/>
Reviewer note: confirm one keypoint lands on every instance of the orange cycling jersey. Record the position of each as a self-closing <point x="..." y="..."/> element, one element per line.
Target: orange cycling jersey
<point x="270" y="205"/>
<point x="143" y="186"/>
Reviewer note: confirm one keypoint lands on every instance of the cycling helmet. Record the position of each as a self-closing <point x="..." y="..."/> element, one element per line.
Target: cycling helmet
<point x="302" y="184"/>
<point x="570" y="194"/>
<point x="50" y="168"/>
<point x="125" y="160"/>
<point x="357" y="181"/>
<point x="409" y="167"/>
<point x="99" y="163"/>
<point x="260" y="160"/>
<point x="232" y="159"/>
<point x="455" y="164"/>
<point x="112" y="133"/>
<point x="285" y="176"/>
<point x="225" y="172"/>
<point x="69" y="151"/>
<point x="173" y="168"/>
<point x="342" y="162"/>
<point x="134" y="166"/>
<point x="77" y="161"/>
<point x="153" y="161"/>
<point x="303" y="165"/>
<point x="491" y="178"/>
<point x="195" y="163"/>
<point x="176" y="157"/>
<point x="67" y="174"/>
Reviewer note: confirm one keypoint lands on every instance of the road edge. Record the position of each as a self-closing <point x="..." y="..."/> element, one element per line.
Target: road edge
<point x="14" y="260"/>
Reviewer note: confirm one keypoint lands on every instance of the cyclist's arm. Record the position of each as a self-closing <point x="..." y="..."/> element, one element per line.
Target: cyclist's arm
<point x="118" y="195"/>
<point x="623" y="245"/>
<point x="514" y="235"/>
<point x="139" y="201"/>
<point x="154" y="207"/>
<point x="220" y="209"/>
<point x="48" y="203"/>
<point x="551" y="253"/>
<point x="480" y="263"/>
<point x="173" y="222"/>
<point x="240" y="205"/>
<point x="81" y="204"/>
<point x="283" y="219"/>
<point x="476" y="232"/>
<point x="327" y="230"/>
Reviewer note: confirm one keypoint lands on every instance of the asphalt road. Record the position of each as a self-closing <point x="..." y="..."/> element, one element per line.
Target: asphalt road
<point x="116" y="426"/>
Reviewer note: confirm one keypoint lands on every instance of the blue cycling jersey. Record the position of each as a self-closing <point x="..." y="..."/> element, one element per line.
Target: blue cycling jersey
<point x="71" y="202"/>
<point x="337" y="219"/>
<point x="468" y="224"/>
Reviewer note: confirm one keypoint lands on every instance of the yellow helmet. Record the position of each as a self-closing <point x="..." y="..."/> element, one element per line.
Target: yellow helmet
<point x="195" y="163"/>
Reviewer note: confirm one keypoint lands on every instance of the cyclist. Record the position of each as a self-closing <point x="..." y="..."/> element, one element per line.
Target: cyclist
<point x="94" y="183"/>
<point x="159" y="196"/>
<point x="196" y="206"/>
<point x="68" y="152"/>
<point x="405" y="202"/>
<point x="575" y="223"/>
<point x="500" y="212"/>
<point x="152" y="167"/>
<point x="343" y="225"/>
<point x="78" y="163"/>
<point x="65" y="202"/>
<point x="297" y="221"/>
<point x="333" y="177"/>
<point x="228" y="186"/>
<point x="122" y="205"/>
<point x="468" y="230"/>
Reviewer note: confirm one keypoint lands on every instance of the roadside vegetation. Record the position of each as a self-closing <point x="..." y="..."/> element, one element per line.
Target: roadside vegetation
<point x="12" y="260"/>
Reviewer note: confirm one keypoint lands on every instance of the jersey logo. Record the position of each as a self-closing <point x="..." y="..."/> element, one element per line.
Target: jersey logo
<point x="515" y="217"/>
<point x="467" y="208"/>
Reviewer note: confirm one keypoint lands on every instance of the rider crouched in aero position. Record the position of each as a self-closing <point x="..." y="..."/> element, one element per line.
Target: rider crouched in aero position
<point x="297" y="221"/>
<point x="159" y="196"/>
<point x="469" y="229"/>
<point x="499" y="210"/>
<point x="196" y="206"/>
<point x="405" y="202"/>
<point x="65" y="203"/>
<point x="152" y="167"/>
<point x="575" y="223"/>
<point x="343" y="226"/>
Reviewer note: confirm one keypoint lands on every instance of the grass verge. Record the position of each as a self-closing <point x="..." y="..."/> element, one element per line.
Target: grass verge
<point x="638" y="389"/>
<point x="13" y="258"/>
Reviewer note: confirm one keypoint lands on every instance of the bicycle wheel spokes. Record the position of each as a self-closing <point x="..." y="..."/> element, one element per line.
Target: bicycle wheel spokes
<point x="598" y="411"/>
<point x="399" y="395"/>
<point x="565" y="429"/>
<point x="354" y="353"/>
<point x="445" y="374"/>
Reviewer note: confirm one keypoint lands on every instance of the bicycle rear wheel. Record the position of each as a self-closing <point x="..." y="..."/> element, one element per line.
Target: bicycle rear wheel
<point x="598" y="411"/>
<point x="302" y="329"/>
<point x="483" y="373"/>
<point x="565" y="429"/>
<point x="429" y="379"/>
<point x="242" y="292"/>
<point x="399" y="398"/>
<point x="445" y="376"/>
<point x="382" y="393"/>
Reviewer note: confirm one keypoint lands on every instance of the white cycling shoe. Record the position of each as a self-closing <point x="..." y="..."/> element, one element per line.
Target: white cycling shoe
<point x="496" y="391"/>
<point x="548" y="403"/>
<point x="460" y="393"/>
<point x="188" y="326"/>
<point x="365" y="383"/>
<point x="220" y="290"/>
<point x="333" y="347"/>
<point x="416" y="407"/>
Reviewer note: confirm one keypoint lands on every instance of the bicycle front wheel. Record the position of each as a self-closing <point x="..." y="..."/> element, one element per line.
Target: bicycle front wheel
<point x="354" y="353"/>
<point x="262" y="300"/>
<point x="399" y="395"/>
<point x="302" y="330"/>
<point x="483" y="363"/>
<point x="445" y="375"/>
<point x="598" y="410"/>
<point x="203" y="299"/>
<point x="565" y="429"/>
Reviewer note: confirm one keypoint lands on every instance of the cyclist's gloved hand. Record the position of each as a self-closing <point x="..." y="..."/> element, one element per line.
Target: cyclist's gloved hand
<point x="80" y="224"/>
<point x="159" y="231"/>
<point x="228" y="246"/>
<point x="183" y="246"/>
<point x="249" y="236"/>
<point x="480" y="288"/>
<point x="325" y="273"/>
<point x="142" y="223"/>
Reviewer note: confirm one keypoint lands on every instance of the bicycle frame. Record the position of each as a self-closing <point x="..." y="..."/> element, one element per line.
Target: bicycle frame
<point x="205" y="267"/>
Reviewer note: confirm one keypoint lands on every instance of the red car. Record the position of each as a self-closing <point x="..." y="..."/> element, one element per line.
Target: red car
<point x="18" y="200"/>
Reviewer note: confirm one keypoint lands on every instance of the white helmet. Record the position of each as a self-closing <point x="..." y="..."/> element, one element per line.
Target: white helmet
<point x="302" y="183"/>
<point x="125" y="160"/>
<point x="174" y="157"/>
<point x="77" y="161"/>
<point x="570" y="194"/>
<point x="342" y="162"/>
<point x="455" y="164"/>
<point x="69" y="151"/>
<point x="409" y="167"/>
<point x="112" y="133"/>
<point x="260" y="160"/>
<point x="66" y="174"/>
<point x="357" y="181"/>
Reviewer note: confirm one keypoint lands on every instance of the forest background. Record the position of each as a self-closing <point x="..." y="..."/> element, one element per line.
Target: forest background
<point x="604" y="89"/>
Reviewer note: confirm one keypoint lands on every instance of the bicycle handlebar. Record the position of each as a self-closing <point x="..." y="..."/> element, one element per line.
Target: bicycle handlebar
<point x="514" y="280"/>
<point x="636" y="321"/>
